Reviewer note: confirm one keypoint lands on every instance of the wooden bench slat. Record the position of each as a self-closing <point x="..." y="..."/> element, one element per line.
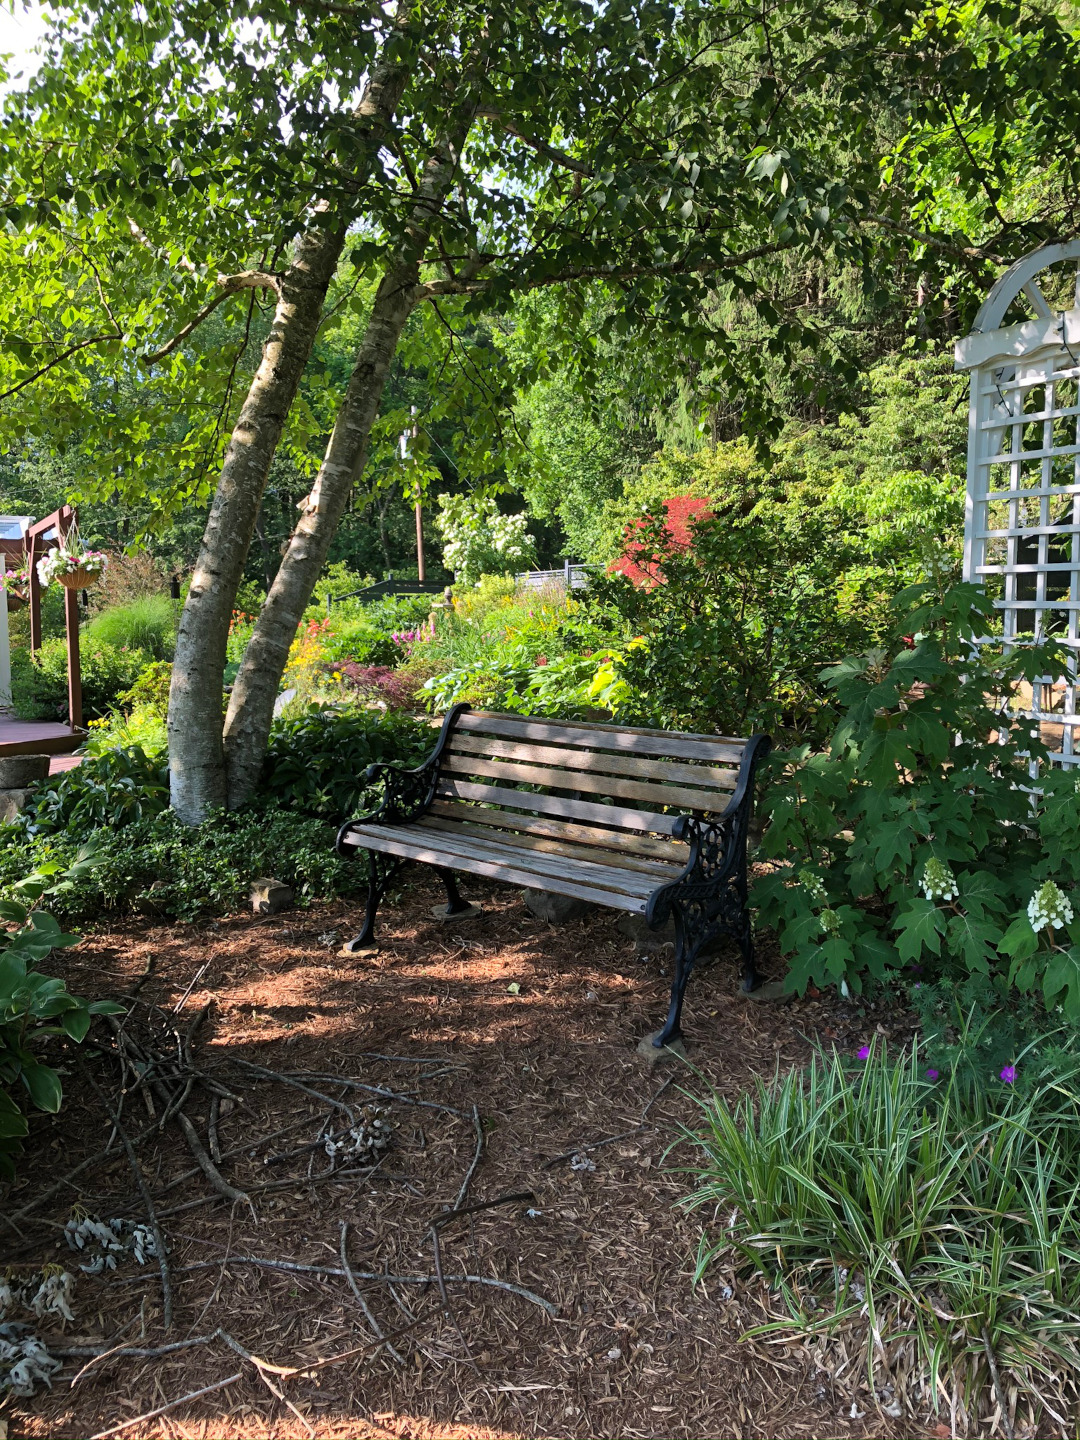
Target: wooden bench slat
<point x="631" y="841"/>
<point x="600" y="762"/>
<point x="721" y="748"/>
<point x="414" y="844"/>
<point x="704" y="799"/>
<point x="544" y="863"/>
<point x="450" y="788"/>
<point x="655" y="869"/>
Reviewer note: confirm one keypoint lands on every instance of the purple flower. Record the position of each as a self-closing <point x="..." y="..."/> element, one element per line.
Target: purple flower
<point x="864" y="1052"/>
<point x="1008" y="1074"/>
<point x="932" y="1074"/>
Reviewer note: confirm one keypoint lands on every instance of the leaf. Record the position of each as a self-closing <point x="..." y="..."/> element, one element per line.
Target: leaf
<point x="43" y="1083"/>
<point x="920" y="925"/>
<point x="1020" y="940"/>
<point x="76" y="1023"/>
<point x="1061" y="981"/>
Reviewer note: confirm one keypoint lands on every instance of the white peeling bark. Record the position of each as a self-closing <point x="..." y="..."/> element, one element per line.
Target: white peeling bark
<point x="197" y="775"/>
<point x="251" y="708"/>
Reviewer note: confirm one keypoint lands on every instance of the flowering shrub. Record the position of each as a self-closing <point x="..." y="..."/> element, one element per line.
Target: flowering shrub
<point x="68" y="557"/>
<point x="396" y="689"/>
<point x="915" y="840"/>
<point x="478" y="540"/>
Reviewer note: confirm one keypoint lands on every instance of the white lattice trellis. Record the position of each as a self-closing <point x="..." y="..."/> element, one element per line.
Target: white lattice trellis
<point x="1022" y="530"/>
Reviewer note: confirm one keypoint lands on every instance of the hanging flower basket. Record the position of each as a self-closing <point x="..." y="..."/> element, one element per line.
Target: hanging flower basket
<point x="17" y="584"/>
<point x="72" y="566"/>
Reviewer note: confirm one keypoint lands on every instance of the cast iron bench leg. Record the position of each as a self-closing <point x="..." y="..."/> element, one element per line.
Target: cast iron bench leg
<point x="381" y="870"/>
<point x="454" y="903"/>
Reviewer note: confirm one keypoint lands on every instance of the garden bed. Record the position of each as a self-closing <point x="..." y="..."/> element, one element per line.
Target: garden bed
<point x="550" y="1068"/>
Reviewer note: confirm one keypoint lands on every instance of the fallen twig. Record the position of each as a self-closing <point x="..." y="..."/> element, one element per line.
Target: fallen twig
<point x="376" y="1090"/>
<point x="333" y="1272"/>
<point x="447" y="1308"/>
<point x="368" y="1316"/>
<point x="170" y="1405"/>
<point x="151" y="1213"/>
<point x="209" y="1169"/>
<point x="135" y="1351"/>
<point x="446" y="1216"/>
<point x="261" y="1369"/>
<point x="593" y="1145"/>
<point x="479" y="1128"/>
<point x="212" y="1129"/>
<point x="297" y="1085"/>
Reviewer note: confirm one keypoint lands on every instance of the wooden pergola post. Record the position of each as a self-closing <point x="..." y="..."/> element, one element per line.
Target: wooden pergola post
<point x="58" y="525"/>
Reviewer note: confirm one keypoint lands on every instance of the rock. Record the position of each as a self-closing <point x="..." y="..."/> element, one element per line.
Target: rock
<point x="11" y="802"/>
<point x="442" y="912"/>
<point x="660" y="1055"/>
<point x="646" y="941"/>
<point x="657" y="942"/>
<point x="19" y="771"/>
<point x="268" y="896"/>
<point x="555" y="909"/>
<point x="772" y="992"/>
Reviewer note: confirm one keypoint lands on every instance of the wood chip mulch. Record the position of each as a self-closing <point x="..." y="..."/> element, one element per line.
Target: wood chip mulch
<point x="511" y="1031"/>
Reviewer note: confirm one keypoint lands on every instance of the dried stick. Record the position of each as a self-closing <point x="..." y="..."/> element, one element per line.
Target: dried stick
<point x="447" y="1308"/>
<point x="140" y="1181"/>
<point x="475" y="1160"/>
<point x="261" y="1369"/>
<point x="139" y="1352"/>
<point x="594" y="1145"/>
<point x="446" y="1216"/>
<point x="360" y="1085"/>
<point x="209" y="1169"/>
<point x="297" y="1085"/>
<point x="212" y="1129"/>
<point x="170" y="1405"/>
<point x="368" y="1316"/>
<point x="293" y="1266"/>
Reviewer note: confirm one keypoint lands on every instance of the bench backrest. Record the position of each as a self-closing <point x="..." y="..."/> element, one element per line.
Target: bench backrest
<point x="599" y="785"/>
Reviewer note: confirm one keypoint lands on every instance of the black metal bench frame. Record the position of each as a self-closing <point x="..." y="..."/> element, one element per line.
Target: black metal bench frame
<point x="707" y="900"/>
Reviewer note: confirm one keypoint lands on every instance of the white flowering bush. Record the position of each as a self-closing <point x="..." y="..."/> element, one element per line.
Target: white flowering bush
<point x="479" y="540"/>
<point x="938" y="881"/>
<point x="1049" y="908"/>
<point x="916" y="842"/>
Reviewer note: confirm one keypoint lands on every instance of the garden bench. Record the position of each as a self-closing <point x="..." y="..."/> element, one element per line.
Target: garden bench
<point x="652" y="822"/>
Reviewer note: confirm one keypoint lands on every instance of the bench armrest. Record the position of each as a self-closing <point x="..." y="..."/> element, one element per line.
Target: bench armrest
<point x="714" y="880"/>
<point x="407" y="792"/>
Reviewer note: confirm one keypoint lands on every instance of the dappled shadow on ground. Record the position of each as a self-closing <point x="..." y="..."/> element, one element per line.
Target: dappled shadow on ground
<point x="535" y="1027"/>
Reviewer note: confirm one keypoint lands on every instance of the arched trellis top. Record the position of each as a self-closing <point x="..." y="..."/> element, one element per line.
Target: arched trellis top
<point x="989" y="341"/>
<point x="1022" y="521"/>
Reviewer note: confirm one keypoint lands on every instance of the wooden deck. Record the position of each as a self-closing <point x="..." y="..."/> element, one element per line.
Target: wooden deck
<point x="38" y="737"/>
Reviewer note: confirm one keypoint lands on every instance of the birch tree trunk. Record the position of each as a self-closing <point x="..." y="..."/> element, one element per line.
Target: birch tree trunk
<point x="197" y="775"/>
<point x="251" y="708"/>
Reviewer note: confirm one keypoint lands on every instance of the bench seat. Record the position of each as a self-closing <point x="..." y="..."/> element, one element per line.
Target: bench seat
<point x="650" y="822"/>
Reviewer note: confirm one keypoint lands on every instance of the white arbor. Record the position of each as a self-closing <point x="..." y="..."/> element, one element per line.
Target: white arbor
<point x="1022" y="529"/>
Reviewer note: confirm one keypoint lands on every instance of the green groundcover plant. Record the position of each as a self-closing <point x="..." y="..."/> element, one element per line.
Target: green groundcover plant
<point x="919" y="841"/>
<point x="931" y="1225"/>
<point x="35" y="1006"/>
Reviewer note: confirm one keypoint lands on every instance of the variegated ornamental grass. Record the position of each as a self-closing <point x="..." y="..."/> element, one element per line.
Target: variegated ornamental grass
<point x="928" y="1226"/>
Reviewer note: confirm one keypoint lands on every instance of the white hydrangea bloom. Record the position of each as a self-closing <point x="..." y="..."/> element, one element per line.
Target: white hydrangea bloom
<point x="813" y="885"/>
<point x="830" y="921"/>
<point x="1049" y="908"/>
<point x="938" y="881"/>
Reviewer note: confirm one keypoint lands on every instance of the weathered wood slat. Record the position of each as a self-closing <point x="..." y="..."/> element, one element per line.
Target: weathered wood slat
<point x="658" y="871"/>
<point x="667" y="745"/>
<point x="451" y="788"/>
<point x="615" y="786"/>
<point x="543" y="864"/>
<point x="633" y="842"/>
<point x="412" y="844"/>
<point x="598" y="761"/>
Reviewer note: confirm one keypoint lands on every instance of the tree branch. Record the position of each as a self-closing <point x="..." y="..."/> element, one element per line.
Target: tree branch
<point x="232" y="285"/>
<point x="607" y="272"/>
<point x="549" y="152"/>
<point x="59" y="359"/>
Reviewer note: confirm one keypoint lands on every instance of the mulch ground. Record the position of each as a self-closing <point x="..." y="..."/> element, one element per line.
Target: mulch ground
<point x="501" y="1029"/>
